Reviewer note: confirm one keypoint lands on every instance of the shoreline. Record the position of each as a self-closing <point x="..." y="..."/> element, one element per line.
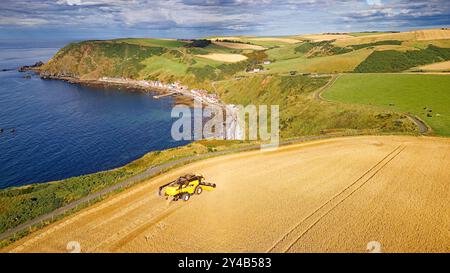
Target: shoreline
<point x="76" y="206"/>
<point x="232" y="131"/>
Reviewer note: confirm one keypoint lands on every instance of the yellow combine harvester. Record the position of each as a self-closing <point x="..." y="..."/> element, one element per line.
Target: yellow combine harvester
<point x="185" y="186"/>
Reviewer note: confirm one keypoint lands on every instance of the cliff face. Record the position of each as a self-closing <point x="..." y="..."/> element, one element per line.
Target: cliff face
<point x="94" y="59"/>
<point x="170" y="62"/>
<point x="149" y="59"/>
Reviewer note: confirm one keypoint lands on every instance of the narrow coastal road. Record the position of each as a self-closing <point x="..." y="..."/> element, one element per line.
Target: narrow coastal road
<point x="318" y="94"/>
<point x="150" y="172"/>
<point x="421" y="125"/>
<point x="331" y="195"/>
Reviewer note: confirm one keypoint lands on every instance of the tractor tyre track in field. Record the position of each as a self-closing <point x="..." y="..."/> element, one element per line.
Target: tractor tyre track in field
<point x="142" y="228"/>
<point x="383" y="188"/>
<point x="152" y="171"/>
<point x="284" y="244"/>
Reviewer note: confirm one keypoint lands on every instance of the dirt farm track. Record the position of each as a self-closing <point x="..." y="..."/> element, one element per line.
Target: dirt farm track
<point x="333" y="195"/>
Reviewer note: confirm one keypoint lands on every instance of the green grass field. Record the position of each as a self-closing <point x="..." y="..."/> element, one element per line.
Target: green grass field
<point x="301" y="114"/>
<point x="427" y="96"/>
<point x="328" y="64"/>
<point x="360" y="34"/>
<point x="153" y="42"/>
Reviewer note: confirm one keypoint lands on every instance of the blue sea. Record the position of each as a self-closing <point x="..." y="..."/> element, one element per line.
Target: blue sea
<point x="54" y="130"/>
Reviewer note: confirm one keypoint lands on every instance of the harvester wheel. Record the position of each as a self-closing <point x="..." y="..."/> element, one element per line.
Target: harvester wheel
<point x="185" y="196"/>
<point x="198" y="190"/>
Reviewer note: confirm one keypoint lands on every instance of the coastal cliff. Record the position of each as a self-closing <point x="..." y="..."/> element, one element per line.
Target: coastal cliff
<point x="91" y="60"/>
<point x="114" y="63"/>
<point x="145" y="59"/>
<point x="172" y="61"/>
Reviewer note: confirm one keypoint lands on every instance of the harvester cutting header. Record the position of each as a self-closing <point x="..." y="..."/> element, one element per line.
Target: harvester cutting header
<point x="185" y="186"/>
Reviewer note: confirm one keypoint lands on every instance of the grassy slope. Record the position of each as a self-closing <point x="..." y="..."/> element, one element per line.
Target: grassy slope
<point x="18" y="205"/>
<point x="148" y="59"/>
<point x="397" y="61"/>
<point x="153" y="42"/>
<point x="378" y="56"/>
<point x="300" y="114"/>
<point x="267" y="42"/>
<point x="403" y="36"/>
<point x="328" y="64"/>
<point x="408" y="93"/>
<point x="361" y="34"/>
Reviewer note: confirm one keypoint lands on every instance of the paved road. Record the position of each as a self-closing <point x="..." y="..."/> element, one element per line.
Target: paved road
<point x="423" y="128"/>
<point x="150" y="172"/>
<point x="318" y="93"/>
<point x="298" y="203"/>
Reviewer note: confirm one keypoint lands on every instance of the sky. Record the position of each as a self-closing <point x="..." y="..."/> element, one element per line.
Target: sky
<point x="102" y="19"/>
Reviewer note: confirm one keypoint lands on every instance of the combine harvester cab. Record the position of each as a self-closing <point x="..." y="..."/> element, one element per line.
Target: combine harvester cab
<point x="184" y="187"/>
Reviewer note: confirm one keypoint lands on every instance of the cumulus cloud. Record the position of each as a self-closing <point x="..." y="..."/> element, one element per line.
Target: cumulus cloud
<point x="14" y="21"/>
<point x="226" y="16"/>
<point x="374" y="2"/>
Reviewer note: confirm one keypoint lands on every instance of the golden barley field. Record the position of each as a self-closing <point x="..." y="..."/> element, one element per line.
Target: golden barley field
<point x="333" y="195"/>
<point x="224" y="57"/>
